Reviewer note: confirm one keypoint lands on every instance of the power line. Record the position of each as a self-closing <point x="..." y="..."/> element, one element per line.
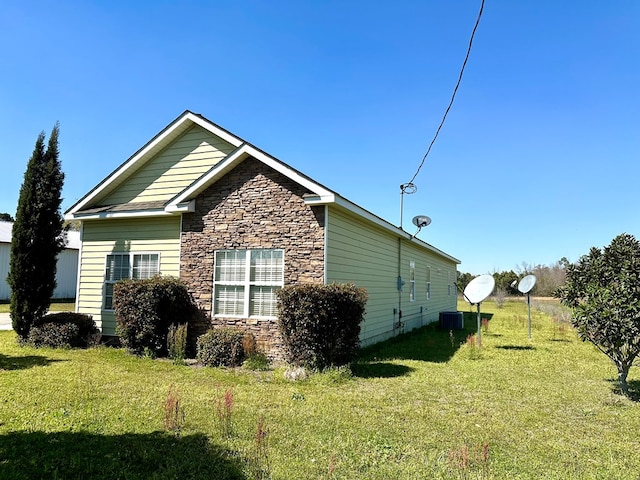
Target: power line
<point x="453" y="96"/>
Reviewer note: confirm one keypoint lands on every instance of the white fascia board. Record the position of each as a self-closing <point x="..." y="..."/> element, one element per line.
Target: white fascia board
<point x="290" y="173"/>
<point x="361" y="212"/>
<point x="216" y="130"/>
<point x="179" y="124"/>
<point x="233" y="160"/>
<point x="189" y="207"/>
<point x="203" y="182"/>
<point x="108" y="215"/>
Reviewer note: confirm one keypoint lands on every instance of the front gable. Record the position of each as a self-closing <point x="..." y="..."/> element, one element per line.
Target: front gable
<point x="165" y="175"/>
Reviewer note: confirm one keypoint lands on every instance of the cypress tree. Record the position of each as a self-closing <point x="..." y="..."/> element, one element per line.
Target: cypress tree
<point x="37" y="236"/>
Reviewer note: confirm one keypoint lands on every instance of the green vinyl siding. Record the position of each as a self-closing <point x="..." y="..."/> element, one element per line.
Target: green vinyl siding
<point x="362" y="253"/>
<point x="139" y="235"/>
<point x="173" y="169"/>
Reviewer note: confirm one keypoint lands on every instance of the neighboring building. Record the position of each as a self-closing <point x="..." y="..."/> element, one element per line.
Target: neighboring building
<point x="235" y="224"/>
<point x="66" y="270"/>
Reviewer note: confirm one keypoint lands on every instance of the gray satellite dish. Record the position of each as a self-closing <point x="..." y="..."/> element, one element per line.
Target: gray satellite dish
<point x="479" y="288"/>
<point x="527" y="283"/>
<point x="421" y="221"/>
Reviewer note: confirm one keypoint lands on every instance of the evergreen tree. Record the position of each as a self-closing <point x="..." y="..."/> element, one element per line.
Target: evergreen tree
<point x="37" y="236"/>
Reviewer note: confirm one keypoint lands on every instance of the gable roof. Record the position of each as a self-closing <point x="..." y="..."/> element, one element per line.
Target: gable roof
<point x="88" y="208"/>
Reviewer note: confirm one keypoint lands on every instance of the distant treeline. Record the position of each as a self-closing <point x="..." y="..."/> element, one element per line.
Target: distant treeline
<point x="548" y="278"/>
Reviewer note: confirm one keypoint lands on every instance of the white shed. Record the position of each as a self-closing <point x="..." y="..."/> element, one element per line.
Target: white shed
<point x="67" y="270"/>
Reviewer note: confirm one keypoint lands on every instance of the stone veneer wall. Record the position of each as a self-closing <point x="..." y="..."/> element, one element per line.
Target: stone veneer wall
<point x="252" y="206"/>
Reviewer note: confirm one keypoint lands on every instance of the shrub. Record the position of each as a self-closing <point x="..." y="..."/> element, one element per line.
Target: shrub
<point x="145" y="309"/>
<point x="177" y="343"/>
<point x="64" y="330"/>
<point x="221" y="347"/>
<point x="320" y="324"/>
<point x="258" y="361"/>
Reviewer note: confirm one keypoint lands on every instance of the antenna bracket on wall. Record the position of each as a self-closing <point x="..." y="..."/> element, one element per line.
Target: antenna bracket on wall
<point x="420" y="221"/>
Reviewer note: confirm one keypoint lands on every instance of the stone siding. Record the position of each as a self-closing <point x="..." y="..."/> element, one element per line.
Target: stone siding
<point x="253" y="206"/>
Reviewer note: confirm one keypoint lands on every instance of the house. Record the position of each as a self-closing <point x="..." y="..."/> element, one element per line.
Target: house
<point x="235" y="224"/>
<point x="66" y="269"/>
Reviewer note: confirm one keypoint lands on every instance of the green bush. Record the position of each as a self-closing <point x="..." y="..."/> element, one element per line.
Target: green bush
<point x="177" y="342"/>
<point x="145" y="309"/>
<point x="258" y="362"/>
<point x="320" y="324"/>
<point x="64" y="330"/>
<point x="221" y="347"/>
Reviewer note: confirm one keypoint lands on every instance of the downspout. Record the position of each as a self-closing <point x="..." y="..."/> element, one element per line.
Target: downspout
<point x="326" y="243"/>
<point x="77" y="305"/>
<point x="399" y="285"/>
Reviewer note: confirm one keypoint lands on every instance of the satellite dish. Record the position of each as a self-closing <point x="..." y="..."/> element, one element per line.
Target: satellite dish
<point x="527" y="283"/>
<point x="421" y="221"/>
<point x="479" y="288"/>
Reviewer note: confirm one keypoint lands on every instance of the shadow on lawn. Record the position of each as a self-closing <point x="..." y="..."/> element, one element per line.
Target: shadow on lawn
<point x="428" y="344"/>
<point x="634" y="389"/>
<point x="159" y="455"/>
<point x="23" y="362"/>
<point x="516" y="347"/>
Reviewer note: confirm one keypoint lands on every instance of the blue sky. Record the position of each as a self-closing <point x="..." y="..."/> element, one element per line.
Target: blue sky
<point x="538" y="159"/>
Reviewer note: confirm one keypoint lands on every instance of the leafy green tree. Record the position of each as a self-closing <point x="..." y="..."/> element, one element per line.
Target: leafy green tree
<point x="603" y="290"/>
<point x="37" y="236"/>
<point x="5" y="217"/>
<point x="463" y="281"/>
<point x="505" y="279"/>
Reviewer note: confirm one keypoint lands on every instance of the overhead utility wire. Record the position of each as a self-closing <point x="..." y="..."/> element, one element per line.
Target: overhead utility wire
<point x="455" y="90"/>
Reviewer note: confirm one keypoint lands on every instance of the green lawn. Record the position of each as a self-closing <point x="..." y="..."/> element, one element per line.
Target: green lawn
<point x="424" y="406"/>
<point x="58" y="306"/>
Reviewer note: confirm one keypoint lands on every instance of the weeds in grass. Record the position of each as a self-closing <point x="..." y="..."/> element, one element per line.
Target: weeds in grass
<point x="249" y="345"/>
<point x="173" y="411"/>
<point x="332" y="466"/>
<point x="452" y="339"/>
<point x="224" y="413"/>
<point x="257" y="361"/>
<point x="485" y="325"/>
<point x="259" y="466"/>
<point x="177" y="343"/>
<point x="472" y="347"/>
<point x="465" y="462"/>
<point x="500" y="296"/>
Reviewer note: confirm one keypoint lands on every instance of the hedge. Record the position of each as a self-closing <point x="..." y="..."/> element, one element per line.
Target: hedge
<point x="320" y="324"/>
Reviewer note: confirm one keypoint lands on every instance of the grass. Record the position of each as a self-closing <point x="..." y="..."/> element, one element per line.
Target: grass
<point x="421" y="406"/>
<point x="64" y="305"/>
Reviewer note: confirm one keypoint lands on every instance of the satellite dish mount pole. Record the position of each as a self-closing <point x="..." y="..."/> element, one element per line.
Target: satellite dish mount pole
<point x="529" y="308"/>
<point x="479" y="325"/>
<point x="524" y="286"/>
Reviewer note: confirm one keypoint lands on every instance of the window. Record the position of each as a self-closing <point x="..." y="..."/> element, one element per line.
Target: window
<point x="128" y="265"/>
<point x="428" y="283"/>
<point x="245" y="282"/>
<point x="412" y="281"/>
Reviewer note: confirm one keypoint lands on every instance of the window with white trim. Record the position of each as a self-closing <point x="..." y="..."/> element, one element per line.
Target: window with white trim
<point x="127" y="265"/>
<point x="412" y="281"/>
<point x="245" y="282"/>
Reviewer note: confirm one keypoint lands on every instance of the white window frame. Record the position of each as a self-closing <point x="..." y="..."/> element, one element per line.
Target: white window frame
<point x="130" y="274"/>
<point x="246" y="293"/>
<point x="412" y="281"/>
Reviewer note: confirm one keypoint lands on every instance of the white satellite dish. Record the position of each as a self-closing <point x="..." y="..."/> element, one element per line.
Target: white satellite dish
<point x="421" y="221"/>
<point x="527" y="283"/>
<point x="479" y="288"/>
